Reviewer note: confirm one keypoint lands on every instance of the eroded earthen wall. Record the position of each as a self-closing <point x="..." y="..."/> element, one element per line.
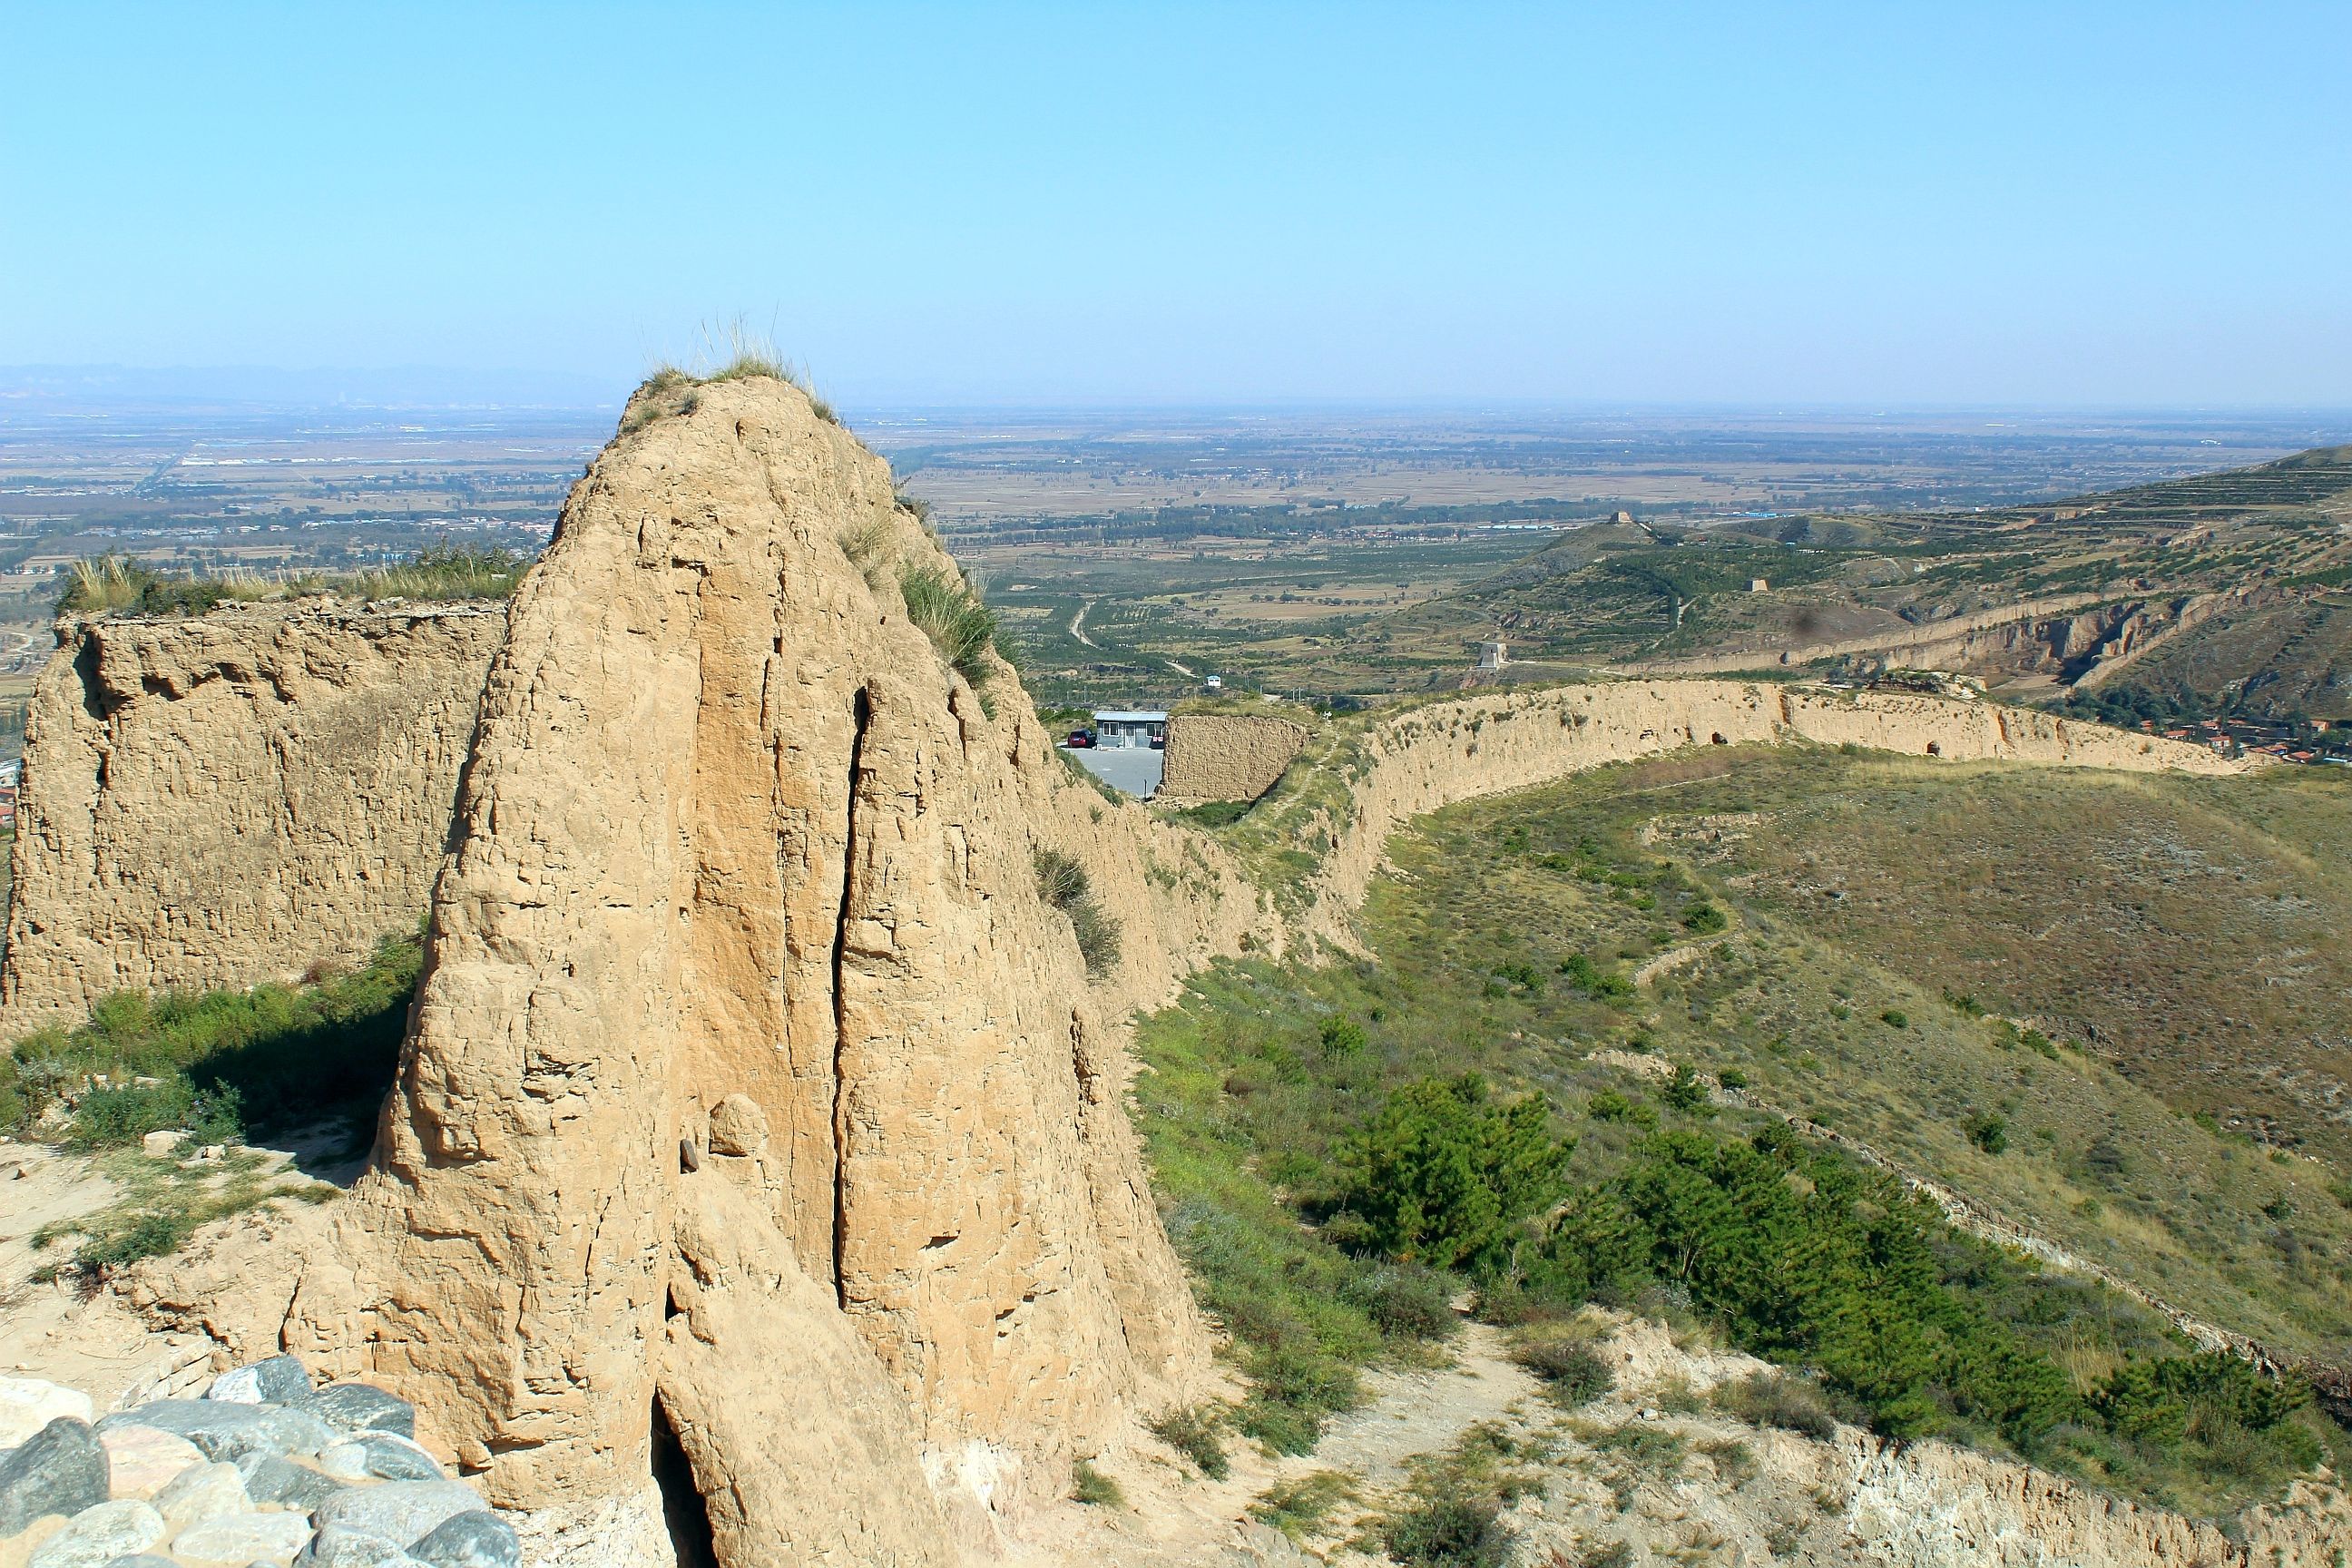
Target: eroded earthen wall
<point x="1434" y="756"/>
<point x="1226" y="756"/>
<point x="749" y="1061"/>
<point x="228" y="798"/>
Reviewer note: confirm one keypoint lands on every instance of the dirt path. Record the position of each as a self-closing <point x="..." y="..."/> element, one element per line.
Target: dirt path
<point x="1078" y="625"/>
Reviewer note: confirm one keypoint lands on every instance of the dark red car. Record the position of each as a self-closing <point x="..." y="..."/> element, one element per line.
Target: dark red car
<point x="1080" y="740"/>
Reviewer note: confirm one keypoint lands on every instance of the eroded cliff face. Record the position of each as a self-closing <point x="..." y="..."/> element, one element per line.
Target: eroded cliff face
<point x="225" y="799"/>
<point x="749" y="1058"/>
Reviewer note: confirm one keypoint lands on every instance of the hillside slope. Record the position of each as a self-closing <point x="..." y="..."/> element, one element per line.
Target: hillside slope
<point x="2042" y="596"/>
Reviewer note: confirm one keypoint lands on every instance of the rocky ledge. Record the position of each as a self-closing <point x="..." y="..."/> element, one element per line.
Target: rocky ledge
<point x="264" y="1469"/>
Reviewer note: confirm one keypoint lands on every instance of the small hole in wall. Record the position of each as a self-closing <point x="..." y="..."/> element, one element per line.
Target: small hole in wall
<point x="689" y="1160"/>
<point x="671" y="1308"/>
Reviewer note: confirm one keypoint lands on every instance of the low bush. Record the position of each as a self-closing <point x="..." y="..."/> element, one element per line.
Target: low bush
<point x="1294" y="1388"/>
<point x="1777" y="1399"/>
<point x="1064" y="883"/>
<point x="1213" y="813"/>
<point x="1193" y="1431"/>
<point x="1571" y="1372"/>
<point x="1451" y="1515"/>
<point x="1600" y="984"/>
<point x="1986" y="1131"/>
<point x="1340" y="1037"/>
<point x="1685" y="1092"/>
<point x="1405" y="1301"/>
<point x="1608" y="1105"/>
<point x="1090" y="1486"/>
<point x="1703" y="920"/>
<point x="1297" y="1508"/>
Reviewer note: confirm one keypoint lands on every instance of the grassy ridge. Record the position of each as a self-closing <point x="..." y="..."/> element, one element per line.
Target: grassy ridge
<point x="1504" y="947"/>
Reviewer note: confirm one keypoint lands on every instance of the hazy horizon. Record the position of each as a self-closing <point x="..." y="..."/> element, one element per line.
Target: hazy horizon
<point x="2104" y="206"/>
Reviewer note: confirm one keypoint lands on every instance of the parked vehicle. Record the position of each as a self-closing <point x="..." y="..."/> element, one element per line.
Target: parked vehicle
<point x="1160" y="742"/>
<point x="1080" y="740"/>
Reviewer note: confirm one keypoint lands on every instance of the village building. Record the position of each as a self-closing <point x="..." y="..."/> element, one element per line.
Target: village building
<point x="1119" y="728"/>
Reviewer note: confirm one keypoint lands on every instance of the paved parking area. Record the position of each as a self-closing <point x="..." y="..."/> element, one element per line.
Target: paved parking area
<point x="1132" y="768"/>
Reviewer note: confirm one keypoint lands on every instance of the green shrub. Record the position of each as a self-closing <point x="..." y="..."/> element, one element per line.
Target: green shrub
<point x="1294" y="1388"/>
<point x="1702" y="919"/>
<point x="1608" y="1105"/>
<point x="1090" y="1486"/>
<point x="1296" y="1506"/>
<point x="1896" y="1018"/>
<point x="2163" y="1402"/>
<point x="1213" y="813"/>
<point x="1064" y="883"/>
<point x="1340" y="1038"/>
<point x="1451" y="1516"/>
<point x="1600" y="984"/>
<point x="1405" y="1301"/>
<point x="1193" y="1431"/>
<point x="1686" y="1092"/>
<point x="1843" y="1275"/>
<point x="959" y="626"/>
<point x="1573" y="1373"/>
<point x="1525" y="977"/>
<point x="1442" y="1172"/>
<point x="1986" y="1131"/>
<point x="116" y="1114"/>
<point x="150" y="1235"/>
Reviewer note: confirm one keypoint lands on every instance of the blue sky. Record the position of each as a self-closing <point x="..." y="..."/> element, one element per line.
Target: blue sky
<point x="2041" y="205"/>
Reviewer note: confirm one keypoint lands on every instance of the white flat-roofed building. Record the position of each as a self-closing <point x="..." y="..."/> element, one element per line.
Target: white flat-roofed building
<point x="1118" y="728"/>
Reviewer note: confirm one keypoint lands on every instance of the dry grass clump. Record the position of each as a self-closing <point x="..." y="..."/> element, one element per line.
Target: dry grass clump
<point x="871" y="549"/>
<point x="730" y="350"/>
<point x="119" y="585"/>
<point x="1063" y="883"/>
<point x="959" y="626"/>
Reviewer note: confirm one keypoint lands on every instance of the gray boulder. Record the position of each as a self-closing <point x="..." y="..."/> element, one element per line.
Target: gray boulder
<point x="280" y="1380"/>
<point x="290" y="1485"/>
<point x="294" y="1430"/>
<point x="97" y="1536"/>
<point x="201" y="1492"/>
<point x="244" y="1538"/>
<point x="338" y="1548"/>
<point x="243" y="1435"/>
<point x="61" y="1469"/>
<point x="400" y="1511"/>
<point x="220" y="1429"/>
<point x="382" y="1455"/>
<point x="480" y="1540"/>
<point x="360" y="1407"/>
